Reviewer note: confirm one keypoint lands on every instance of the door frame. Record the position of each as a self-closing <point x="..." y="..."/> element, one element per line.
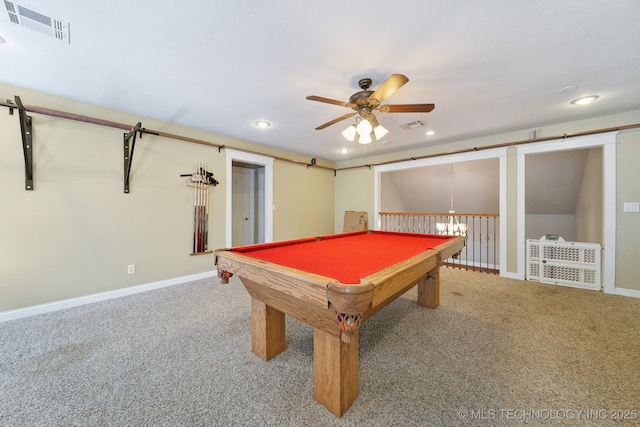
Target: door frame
<point x="491" y="153"/>
<point x="607" y="141"/>
<point x="255" y="159"/>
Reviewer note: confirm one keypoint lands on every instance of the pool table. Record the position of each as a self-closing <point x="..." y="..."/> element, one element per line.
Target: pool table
<point x="333" y="283"/>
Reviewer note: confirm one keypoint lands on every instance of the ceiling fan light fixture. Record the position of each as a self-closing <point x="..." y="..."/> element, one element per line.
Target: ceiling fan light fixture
<point x="365" y="103"/>
<point x="350" y="133"/>
<point x="365" y="139"/>
<point x="380" y="132"/>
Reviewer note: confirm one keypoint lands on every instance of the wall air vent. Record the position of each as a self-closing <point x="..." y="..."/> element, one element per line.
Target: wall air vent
<point x="413" y="125"/>
<point x="22" y="15"/>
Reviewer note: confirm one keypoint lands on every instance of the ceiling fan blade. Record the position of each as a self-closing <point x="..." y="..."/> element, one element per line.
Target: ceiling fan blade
<point x="392" y="84"/>
<point x="327" y="100"/>
<point x="407" y="108"/>
<point x="334" y="121"/>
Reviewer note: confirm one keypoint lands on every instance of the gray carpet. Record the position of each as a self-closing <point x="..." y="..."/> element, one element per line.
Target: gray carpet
<point x="496" y="352"/>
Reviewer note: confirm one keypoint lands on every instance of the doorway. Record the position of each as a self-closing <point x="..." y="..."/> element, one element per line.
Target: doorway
<point x="249" y="195"/>
<point x="247" y="210"/>
<point x="602" y="165"/>
<point x="563" y="195"/>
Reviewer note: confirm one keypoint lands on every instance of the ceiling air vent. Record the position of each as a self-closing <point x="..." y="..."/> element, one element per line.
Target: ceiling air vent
<point x="22" y="15"/>
<point x="413" y="125"/>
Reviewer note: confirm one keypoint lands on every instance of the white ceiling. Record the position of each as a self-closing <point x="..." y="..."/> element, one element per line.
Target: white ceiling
<point x="489" y="66"/>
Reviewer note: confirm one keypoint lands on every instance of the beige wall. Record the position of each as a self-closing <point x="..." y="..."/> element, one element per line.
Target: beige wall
<point x="75" y="234"/>
<point x="474" y="186"/>
<point x="628" y="224"/>
<point x="539" y="225"/>
<point x="589" y="207"/>
<point x="391" y="199"/>
<point x="354" y="192"/>
<point x="304" y="201"/>
<point x="512" y="209"/>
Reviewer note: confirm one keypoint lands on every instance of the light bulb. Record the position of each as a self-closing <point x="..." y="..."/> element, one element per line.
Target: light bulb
<point x="365" y="139"/>
<point x="364" y="128"/>
<point x="380" y="132"/>
<point x="349" y="133"/>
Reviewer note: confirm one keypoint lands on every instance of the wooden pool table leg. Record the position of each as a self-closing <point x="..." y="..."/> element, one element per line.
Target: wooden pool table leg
<point x="335" y="371"/>
<point x="267" y="330"/>
<point x="429" y="289"/>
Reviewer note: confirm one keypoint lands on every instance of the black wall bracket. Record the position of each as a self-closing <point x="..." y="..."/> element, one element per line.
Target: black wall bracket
<point x="27" y="143"/>
<point x="129" y="146"/>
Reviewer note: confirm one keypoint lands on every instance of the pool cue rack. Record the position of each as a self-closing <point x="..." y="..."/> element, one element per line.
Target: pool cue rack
<point x="201" y="180"/>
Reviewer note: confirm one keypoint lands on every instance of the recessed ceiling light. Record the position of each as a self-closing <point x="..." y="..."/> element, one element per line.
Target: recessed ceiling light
<point x="430" y="132"/>
<point x="263" y="124"/>
<point x="343" y="150"/>
<point x="585" y="100"/>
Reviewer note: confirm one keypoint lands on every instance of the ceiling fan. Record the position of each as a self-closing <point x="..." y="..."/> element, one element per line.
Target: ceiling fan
<point x="366" y="102"/>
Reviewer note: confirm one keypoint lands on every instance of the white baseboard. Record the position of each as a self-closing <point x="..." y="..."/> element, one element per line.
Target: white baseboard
<point x="509" y="275"/>
<point x="102" y="296"/>
<point x="627" y="292"/>
<point x="616" y="291"/>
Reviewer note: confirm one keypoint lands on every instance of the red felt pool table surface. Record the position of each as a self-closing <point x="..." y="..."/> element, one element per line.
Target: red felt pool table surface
<point x="346" y="257"/>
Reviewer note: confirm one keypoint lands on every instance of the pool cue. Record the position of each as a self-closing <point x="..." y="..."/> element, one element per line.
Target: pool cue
<point x="199" y="204"/>
<point x="202" y="206"/>
<point x="206" y="209"/>
<point x="200" y="231"/>
<point x="195" y="213"/>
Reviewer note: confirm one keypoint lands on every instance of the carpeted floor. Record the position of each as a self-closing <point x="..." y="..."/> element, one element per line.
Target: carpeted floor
<point x="496" y="352"/>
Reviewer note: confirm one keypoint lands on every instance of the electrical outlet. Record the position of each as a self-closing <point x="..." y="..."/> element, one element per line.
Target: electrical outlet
<point x="631" y="207"/>
<point x="131" y="269"/>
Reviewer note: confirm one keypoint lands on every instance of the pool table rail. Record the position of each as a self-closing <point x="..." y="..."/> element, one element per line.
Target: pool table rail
<point x="306" y="286"/>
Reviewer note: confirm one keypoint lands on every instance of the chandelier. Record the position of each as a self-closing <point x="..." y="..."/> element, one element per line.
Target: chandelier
<point x="452" y="227"/>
